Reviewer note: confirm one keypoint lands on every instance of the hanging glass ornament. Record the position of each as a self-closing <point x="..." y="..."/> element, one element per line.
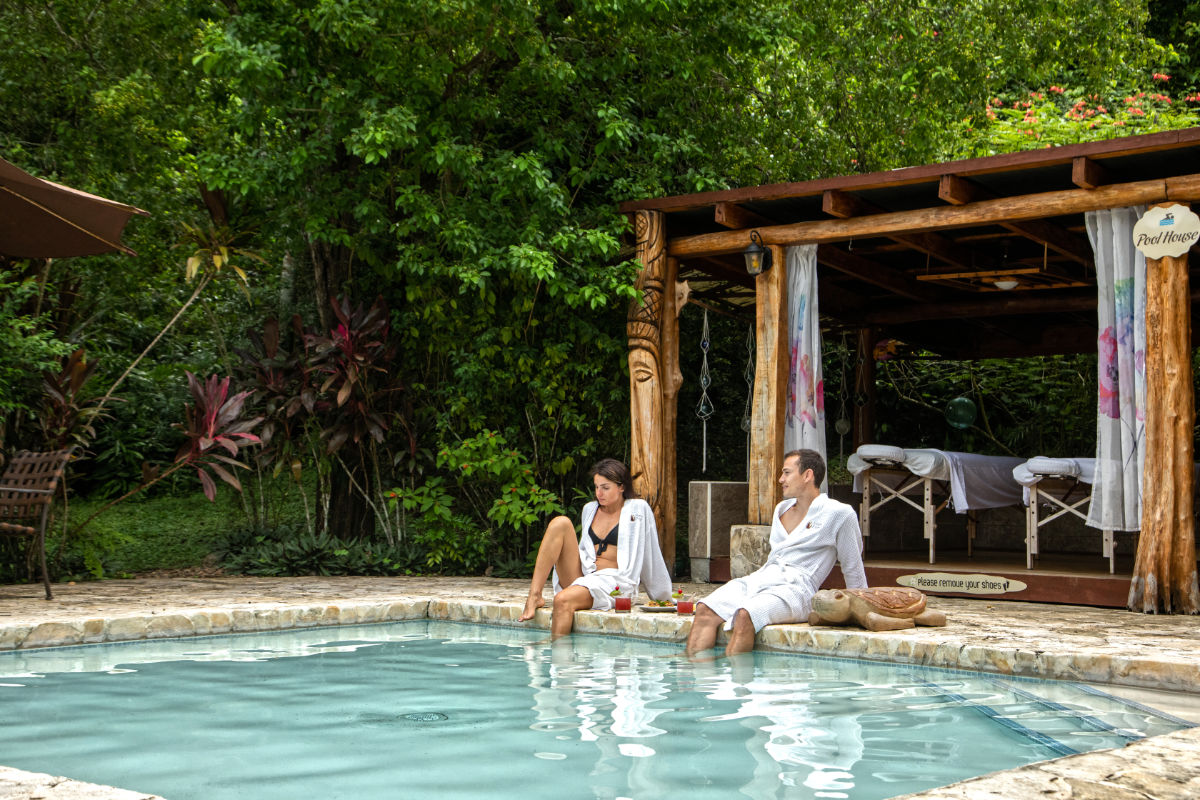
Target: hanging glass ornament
<point x="960" y="413"/>
<point x="747" y="415"/>
<point x="704" y="409"/>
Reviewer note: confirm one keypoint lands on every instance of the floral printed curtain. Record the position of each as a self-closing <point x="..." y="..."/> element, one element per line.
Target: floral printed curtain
<point x="805" y="424"/>
<point x="1121" y="363"/>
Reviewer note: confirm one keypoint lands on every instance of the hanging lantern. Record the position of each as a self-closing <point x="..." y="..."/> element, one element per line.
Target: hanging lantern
<point x="758" y="258"/>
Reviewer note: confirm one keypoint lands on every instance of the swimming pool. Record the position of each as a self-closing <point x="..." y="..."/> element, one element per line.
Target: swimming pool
<point x="436" y="709"/>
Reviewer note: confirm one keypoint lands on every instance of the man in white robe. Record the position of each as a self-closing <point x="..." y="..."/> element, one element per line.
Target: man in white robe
<point x="809" y="532"/>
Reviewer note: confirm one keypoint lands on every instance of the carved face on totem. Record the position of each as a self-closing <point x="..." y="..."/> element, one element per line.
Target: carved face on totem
<point x="645" y="360"/>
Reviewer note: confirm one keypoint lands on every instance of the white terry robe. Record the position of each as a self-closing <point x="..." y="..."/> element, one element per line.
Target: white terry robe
<point x="782" y="589"/>
<point x="639" y="557"/>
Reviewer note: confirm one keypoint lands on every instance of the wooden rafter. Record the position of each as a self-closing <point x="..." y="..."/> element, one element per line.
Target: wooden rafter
<point x="844" y="206"/>
<point x="720" y="269"/>
<point x="1089" y="174"/>
<point x="1112" y="148"/>
<point x="875" y="273"/>
<point x="1184" y="188"/>
<point x="731" y="215"/>
<point x="957" y="190"/>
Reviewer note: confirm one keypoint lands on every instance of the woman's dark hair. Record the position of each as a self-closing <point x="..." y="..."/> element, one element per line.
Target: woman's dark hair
<point x="616" y="472"/>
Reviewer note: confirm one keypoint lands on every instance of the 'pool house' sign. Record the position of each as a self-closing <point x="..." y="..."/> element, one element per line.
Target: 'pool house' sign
<point x="1166" y="231"/>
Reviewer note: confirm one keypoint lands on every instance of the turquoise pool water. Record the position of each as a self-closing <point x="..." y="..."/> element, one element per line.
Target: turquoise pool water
<point x="445" y="710"/>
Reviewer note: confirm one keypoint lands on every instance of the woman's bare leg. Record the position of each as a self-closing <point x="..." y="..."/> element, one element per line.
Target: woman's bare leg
<point x="566" y="603"/>
<point x="559" y="548"/>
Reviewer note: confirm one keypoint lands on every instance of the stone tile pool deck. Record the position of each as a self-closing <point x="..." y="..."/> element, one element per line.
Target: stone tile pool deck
<point x="1147" y="656"/>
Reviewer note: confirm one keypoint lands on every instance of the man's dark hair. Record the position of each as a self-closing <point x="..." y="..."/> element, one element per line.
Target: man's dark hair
<point x="809" y="459"/>
<point x="616" y="472"/>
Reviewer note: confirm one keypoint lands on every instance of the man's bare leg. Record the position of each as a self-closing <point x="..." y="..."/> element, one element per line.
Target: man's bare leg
<point x="704" y="630"/>
<point x="741" y="638"/>
<point x="566" y="603"/>
<point x="559" y="548"/>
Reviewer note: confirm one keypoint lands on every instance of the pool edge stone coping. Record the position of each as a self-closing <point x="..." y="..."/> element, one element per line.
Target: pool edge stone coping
<point x="941" y="650"/>
<point x="16" y="784"/>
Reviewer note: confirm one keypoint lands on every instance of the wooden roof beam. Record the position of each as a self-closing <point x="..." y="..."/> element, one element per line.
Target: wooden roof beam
<point x="1059" y="340"/>
<point x="957" y="190"/>
<point x="720" y="270"/>
<point x="997" y="305"/>
<point x="731" y="215"/>
<point x="1184" y="188"/>
<point x="875" y="273"/>
<point x="844" y="206"/>
<point x="843" y="304"/>
<point x="1089" y="174"/>
<point x="972" y="342"/>
<point x="1004" y="162"/>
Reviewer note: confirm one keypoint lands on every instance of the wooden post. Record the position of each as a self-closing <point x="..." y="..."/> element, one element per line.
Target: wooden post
<point x="648" y="409"/>
<point x="1164" y="573"/>
<point x="864" y="388"/>
<point x="770" y="389"/>
<point x="671" y="379"/>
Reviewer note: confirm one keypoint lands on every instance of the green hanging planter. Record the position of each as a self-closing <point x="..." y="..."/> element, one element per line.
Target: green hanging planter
<point x="960" y="413"/>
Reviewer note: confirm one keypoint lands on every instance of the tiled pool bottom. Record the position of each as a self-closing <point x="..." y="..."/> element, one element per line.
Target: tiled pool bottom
<point x="1075" y="643"/>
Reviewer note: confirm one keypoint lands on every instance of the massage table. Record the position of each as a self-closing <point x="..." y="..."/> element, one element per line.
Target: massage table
<point x="965" y="481"/>
<point x="1064" y="485"/>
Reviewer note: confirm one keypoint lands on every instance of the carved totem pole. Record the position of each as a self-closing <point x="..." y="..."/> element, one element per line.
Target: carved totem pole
<point x="654" y="378"/>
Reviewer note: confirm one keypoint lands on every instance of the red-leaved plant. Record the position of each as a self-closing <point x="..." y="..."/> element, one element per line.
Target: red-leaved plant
<point x="216" y="432"/>
<point x="65" y="417"/>
<point x="215" y="435"/>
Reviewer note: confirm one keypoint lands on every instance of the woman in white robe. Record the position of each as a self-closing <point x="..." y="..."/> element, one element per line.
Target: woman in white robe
<point x="618" y="550"/>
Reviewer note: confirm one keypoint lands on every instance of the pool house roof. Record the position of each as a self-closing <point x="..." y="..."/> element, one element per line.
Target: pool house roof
<point x="920" y="254"/>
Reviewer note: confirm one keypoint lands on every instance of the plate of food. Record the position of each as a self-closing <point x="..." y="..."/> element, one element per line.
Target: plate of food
<point x="658" y="605"/>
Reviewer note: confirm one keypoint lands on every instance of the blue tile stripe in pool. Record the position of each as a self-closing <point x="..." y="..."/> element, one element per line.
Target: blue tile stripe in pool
<point x="1145" y="709"/>
<point x="1088" y="720"/>
<point x="1037" y="736"/>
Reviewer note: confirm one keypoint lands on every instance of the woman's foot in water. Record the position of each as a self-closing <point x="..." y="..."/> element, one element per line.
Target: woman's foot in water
<point x="531" y="606"/>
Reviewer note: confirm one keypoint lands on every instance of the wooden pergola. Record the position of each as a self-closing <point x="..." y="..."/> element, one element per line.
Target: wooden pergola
<point x="914" y="254"/>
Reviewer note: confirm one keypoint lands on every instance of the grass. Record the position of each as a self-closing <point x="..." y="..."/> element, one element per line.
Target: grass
<point x="140" y="535"/>
<point x="159" y="531"/>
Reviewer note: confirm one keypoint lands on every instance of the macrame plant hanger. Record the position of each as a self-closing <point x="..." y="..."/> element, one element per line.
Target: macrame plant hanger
<point x="842" y="425"/>
<point x="704" y="409"/>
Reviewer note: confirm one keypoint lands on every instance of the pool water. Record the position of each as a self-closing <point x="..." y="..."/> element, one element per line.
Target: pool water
<point x="433" y="709"/>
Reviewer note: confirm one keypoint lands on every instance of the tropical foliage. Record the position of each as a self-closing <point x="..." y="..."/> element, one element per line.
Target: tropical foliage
<point x="461" y="162"/>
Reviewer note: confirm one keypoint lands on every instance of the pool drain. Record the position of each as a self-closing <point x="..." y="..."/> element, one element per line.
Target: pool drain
<point x="426" y="716"/>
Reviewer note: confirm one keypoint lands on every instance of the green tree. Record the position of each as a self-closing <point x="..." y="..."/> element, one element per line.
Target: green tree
<point x="465" y="158"/>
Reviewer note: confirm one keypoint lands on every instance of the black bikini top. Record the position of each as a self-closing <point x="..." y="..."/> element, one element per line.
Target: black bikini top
<point x="602" y="544"/>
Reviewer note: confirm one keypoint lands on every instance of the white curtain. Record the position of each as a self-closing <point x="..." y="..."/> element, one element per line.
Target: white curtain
<point x="1121" y="365"/>
<point x="805" y="425"/>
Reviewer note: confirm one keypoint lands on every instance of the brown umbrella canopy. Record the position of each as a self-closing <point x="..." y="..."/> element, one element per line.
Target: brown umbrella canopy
<point x="41" y="219"/>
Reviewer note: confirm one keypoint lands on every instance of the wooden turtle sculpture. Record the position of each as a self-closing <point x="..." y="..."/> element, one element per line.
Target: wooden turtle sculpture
<point x="880" y="608"/>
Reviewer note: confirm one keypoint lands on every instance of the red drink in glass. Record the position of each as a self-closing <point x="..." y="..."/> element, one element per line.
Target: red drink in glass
<point x="624" y="603"/>
<point x="685" y="606"/>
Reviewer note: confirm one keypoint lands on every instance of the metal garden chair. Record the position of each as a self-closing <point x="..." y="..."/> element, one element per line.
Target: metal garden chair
<point x="26" y="494"/>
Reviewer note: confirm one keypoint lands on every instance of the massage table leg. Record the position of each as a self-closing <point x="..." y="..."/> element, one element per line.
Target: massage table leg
<point x="930" y="521"/>
<point x="864" y="508"/>
<point x="1031" y="525"/>
<point x="1110" y="551"/>
<point x="971" y="527"/>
